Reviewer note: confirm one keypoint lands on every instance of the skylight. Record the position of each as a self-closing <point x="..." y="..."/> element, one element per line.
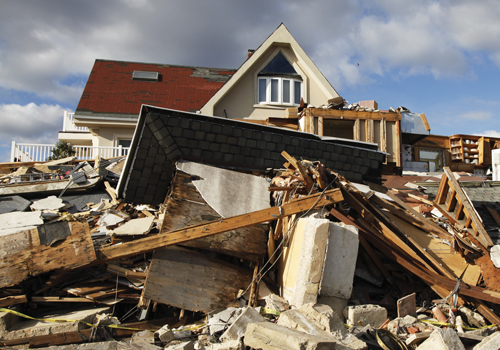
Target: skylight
<point x="144" y="75"/>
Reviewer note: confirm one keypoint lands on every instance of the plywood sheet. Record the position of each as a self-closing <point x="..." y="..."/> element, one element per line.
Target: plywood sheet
<point x="186" y="207"/>
<point x="193" y="281"/>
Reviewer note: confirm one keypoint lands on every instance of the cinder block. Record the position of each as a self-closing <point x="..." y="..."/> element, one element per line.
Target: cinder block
<point x="188" y="133"/>
<point x="442" y="339"/>
<point x="270" y="336"/>
<point x="184" y="123"/>
<point x="368" y="314"/>
<point x="217" y="128"/>
<point x="257" y="135"/>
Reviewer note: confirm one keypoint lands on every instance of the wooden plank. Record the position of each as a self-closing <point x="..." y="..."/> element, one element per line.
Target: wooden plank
<point x="60" y="300"/>
<point x="193" y="280"/>
<point x="165" y="239"/>
<point x="383" y="135"/>
<point x="452" y="201"/>
<point x="398" y="144"/>
<point x="426" y="123"/>
<point x="442" y="190"/>
<point x="416" y="218"/>
<point x="12" y="300"/>
<point x="357" y="130"/>
<point x="320" y="126"/>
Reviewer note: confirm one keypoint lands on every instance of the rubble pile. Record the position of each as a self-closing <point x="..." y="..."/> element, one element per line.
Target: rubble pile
<point x="291" y="258"/>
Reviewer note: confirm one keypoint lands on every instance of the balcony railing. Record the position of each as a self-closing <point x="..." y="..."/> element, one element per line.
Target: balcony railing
<point x="69" y="123"/>
<point x="30" y="152"/>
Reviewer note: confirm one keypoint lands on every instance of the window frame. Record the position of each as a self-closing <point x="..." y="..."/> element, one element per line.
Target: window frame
<point x="279" y="101"/>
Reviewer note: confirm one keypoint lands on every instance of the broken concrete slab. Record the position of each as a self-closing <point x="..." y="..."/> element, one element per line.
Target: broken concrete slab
<point x="239" y="326"/>
<point x="19" y="221"/>
<point x="138" y="227"/>
<point x="373" y="315"/>
<point x="235" y="344"/>
<point x="106" y="345"/>
<point x="301" y="264"/>
<point x="337" y="304"/>
<point x="25" y="328"/>
<point x="340" y="262"/>
<point x="49" y="203"/>
<point x="248" y="193"/>
<point x="221" y="320"/>
<point x="491" y="342"/>
<point x="297" y="320"/>
<point x="442" y="339"/>
<point x="270" y="336"/>
<point x="187" y="345"/>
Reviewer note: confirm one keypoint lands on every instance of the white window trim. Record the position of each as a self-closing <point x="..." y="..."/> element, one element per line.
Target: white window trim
<point x="279" y="102"/>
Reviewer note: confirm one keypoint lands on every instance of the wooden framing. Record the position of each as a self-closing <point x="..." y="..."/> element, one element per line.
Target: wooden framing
<point x="452" y="201"/>
<point x="383" y="128"/>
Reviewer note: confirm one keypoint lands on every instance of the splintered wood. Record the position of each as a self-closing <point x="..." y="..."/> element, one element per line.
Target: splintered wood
<point x="23" y="254"/>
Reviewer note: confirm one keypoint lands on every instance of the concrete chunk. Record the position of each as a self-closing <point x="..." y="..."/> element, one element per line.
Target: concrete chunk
<point x="368" y="314"/>
<point x="270" y="336"/>
<point x="340" y="263"/>
<point x="165" y="334"/>
<point x="239" y="327"/>
<point x="491" y="342"/>
<point x="442" y="339"/>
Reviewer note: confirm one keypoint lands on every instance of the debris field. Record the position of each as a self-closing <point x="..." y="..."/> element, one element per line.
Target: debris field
<point x="290" y="257"/>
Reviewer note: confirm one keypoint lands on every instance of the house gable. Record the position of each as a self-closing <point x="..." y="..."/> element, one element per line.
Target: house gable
<point x="238" y="98"/>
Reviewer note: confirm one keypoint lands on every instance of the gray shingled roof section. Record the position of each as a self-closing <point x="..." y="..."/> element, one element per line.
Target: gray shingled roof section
<point x="478" y="193"/>
<point x="168" y="136"/>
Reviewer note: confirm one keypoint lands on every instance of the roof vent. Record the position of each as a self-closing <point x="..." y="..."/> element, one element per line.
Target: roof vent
<point x="145" y="76"/>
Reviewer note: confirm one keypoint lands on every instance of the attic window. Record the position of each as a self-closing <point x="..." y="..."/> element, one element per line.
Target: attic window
<point x="145" y="76"/>
<point x="279" y="83"/>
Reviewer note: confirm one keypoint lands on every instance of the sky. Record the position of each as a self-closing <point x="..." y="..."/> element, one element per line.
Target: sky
<point x="441" y="58"/>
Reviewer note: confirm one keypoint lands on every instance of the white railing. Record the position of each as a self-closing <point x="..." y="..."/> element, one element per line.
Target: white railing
<point x="69" y="123"/>
<point x="29" y="152"/>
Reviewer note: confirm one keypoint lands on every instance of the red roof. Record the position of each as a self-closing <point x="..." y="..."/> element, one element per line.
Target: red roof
<point x="110" y="88"/>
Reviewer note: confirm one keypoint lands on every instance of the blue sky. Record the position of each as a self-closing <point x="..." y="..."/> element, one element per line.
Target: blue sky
<point x="440" y="58"/>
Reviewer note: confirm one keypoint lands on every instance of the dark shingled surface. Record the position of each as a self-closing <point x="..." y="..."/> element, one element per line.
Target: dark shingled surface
<point x="166" y="136"/>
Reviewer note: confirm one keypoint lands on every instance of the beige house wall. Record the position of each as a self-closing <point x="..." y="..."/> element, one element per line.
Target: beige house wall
<point x="109" y="136"/>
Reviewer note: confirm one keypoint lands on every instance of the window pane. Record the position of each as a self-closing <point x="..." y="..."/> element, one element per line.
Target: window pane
<point x="274" y="90"/>
<point x="286" y="91"/>
<point x="262" y="90"/>
<point x="297" y="91"/>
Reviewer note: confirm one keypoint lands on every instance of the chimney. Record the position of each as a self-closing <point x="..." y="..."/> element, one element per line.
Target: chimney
<point x="250" y="53"/>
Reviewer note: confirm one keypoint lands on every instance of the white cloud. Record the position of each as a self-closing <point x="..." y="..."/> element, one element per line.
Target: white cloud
<point x="30" y="123"/>
<point x="477" y="115"/>
<point x="490" y="133"/>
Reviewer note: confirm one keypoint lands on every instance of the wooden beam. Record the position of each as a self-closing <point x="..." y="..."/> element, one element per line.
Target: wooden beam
<point x="353" y="115"/>
<point x="165" y="239"/>
<point x="12" y="300"/>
